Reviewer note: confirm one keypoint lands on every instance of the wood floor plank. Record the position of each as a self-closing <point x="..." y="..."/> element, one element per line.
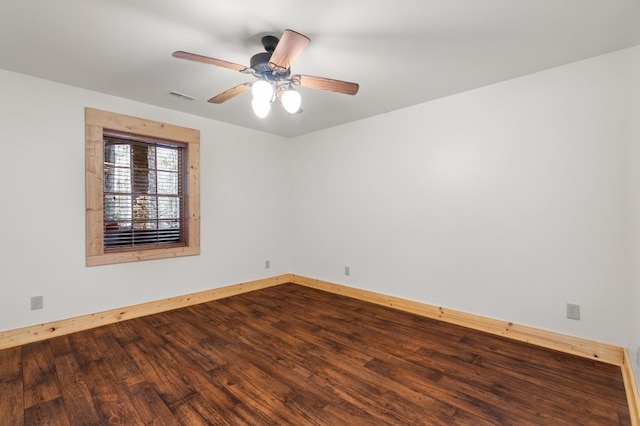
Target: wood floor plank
<point x="209" y="413"/>
<point x="11" y="388"/>
<point x="187" y="415"/>
<point x="119" y="362"/>
<point x="159" y="369"/>
<point x="150" y="407"/>
<point x="40" y="381"/>
<point x="295" y="355"/>
<point x="75" y="392"/>
<point x="114" y="406"/>
<point x="294" y="397"/>
<point x="52" y="412"/>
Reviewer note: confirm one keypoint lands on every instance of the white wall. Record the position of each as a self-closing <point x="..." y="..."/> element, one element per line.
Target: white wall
<point x="244" y="184"/>
<point x="634" y="213"/>
<point x="508" y="201"/>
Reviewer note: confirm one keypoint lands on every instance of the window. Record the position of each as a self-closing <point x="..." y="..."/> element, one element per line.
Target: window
<point x="142" y="184"/>
<point x="143" y="193"/>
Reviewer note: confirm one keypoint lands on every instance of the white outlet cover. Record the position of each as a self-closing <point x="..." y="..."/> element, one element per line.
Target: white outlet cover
<point x="37" y="302"/>
<point x="573" y="311"/>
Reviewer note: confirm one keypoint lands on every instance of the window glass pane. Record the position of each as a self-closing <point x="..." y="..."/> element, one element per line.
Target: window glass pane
<point x="117" y="180"/>
<point x="117" y="154"/>
<point x="168" y="208"/>
<point x="144" y="207"/>
<point x="167" y="158"/>
<point x="167" y="183"/>
<point x="168" y="224"/>
<point x="117" y="208"/>
<point x="144" y="181"/>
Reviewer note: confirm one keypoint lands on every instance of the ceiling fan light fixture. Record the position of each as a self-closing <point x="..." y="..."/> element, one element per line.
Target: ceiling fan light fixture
<point x="261" y="108"/>
<point x="291" y="100"/>
<point x="262" y="91"/>
<point x="272" y="68"/>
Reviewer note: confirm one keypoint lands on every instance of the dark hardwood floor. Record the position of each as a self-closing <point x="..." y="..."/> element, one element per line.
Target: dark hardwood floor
<point x="294" y="355"/>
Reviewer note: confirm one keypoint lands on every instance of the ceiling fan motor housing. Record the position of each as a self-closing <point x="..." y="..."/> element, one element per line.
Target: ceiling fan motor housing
<point x="260" y="61"/>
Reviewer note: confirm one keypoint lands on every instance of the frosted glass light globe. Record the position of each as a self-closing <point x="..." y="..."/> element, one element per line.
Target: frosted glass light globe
<point x="291" y="101"/>
<point x="262" y="90"/>
<point x="260" y="108"/>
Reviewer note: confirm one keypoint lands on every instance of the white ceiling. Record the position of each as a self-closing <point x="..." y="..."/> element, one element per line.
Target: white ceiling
<point x="401" y="52"/>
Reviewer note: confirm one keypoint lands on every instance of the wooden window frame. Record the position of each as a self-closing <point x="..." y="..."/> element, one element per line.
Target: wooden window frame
<point x="96" y="121"/>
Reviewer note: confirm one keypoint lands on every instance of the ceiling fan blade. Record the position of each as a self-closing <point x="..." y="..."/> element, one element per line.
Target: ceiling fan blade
<point x="207" y="60"/>
<point x="291" y="44"/>
<point x="228" y="94"/>
<point x="324" y="83"/>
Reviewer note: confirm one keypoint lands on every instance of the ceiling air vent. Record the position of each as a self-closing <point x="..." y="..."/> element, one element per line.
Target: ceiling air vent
<point x="182" y="95"/>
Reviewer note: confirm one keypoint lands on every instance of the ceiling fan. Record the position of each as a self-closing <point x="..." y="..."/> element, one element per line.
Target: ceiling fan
<point x="272" y="68"/>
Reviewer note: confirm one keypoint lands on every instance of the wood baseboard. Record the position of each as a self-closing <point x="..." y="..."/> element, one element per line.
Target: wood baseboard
<point x="586" y="348"/>
<point x="631" y="387"/>
<point x="22" y="336"/>
<point x="603" y="352"/>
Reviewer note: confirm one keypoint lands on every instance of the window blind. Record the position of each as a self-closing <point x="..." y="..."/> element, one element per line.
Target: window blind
<point x="144" y="194"/>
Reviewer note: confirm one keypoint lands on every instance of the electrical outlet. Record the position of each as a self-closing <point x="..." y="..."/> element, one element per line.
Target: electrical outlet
<point x="36" y="303"/>
<point x="638" y="356"/>
<point x="347" y="270"/>
<point x="573" y="311"/>
<point x="267" y="264"/>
